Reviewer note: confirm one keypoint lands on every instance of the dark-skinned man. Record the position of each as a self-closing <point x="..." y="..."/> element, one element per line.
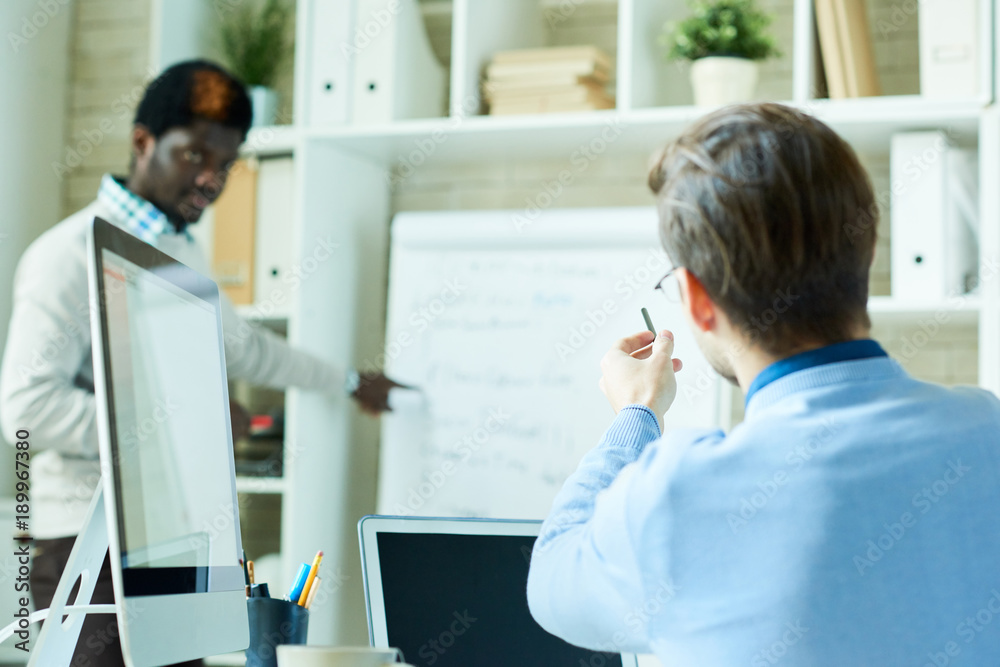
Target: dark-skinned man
<point x="186" y="136"/>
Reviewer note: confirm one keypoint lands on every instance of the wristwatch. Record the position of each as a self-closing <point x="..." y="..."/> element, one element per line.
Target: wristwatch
<point x="352" y="382"/>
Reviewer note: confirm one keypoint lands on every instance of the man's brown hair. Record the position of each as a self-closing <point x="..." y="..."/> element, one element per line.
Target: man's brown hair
<point x="762" y="204"/>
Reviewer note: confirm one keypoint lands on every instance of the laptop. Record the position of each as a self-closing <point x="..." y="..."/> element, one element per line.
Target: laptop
<point x="452" y="592"/>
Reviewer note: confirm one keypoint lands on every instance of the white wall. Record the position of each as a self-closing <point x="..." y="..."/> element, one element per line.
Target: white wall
<point x="33" y="76"/>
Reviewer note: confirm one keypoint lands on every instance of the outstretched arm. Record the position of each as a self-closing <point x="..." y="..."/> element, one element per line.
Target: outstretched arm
<point x="585" y="583"/>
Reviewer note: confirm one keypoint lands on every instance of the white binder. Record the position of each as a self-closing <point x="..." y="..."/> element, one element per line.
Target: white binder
<point x="273" y="242"/>
<point x="331" y="64"/>
<point x="396" y="75"/>
<point x="934" y="218"/>
<point x="949" y="49"/>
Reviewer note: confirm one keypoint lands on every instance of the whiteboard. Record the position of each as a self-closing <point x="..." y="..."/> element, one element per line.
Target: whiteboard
<point x="502" y="321"/>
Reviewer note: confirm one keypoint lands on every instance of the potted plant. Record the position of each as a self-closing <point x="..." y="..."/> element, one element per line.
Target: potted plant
<point x="725" y="39"/>
<point x="253" y="38"/>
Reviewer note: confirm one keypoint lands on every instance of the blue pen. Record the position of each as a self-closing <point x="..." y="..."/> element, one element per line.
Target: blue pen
<point x="300" y="581"/>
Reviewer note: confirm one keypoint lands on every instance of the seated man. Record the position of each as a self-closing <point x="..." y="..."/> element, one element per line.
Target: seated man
<point x="852" y="518"/>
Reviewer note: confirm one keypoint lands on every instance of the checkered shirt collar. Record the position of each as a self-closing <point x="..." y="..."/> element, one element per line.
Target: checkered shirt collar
<point x="137" y="215"/>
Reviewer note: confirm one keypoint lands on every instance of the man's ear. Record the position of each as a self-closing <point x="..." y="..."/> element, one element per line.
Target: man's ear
<point x="143" y="144"/>
<point x="697" y="302"/>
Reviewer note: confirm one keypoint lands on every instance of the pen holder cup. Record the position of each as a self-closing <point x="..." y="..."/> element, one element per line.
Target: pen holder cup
<point x="274" y="622"/>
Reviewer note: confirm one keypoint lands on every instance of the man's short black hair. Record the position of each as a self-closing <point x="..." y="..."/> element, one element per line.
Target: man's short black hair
<point x="191" y="90"/>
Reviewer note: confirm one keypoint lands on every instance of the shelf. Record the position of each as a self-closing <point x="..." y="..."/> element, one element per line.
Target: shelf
<point x="271" y="485"/>
<point x="886" y="308"/>
<point x="266" y="316"/>
<point x="273" y="141"/>
<point x="443" y="141"/>
<point x="227" y="660"/>
<point x="866" y="123"/>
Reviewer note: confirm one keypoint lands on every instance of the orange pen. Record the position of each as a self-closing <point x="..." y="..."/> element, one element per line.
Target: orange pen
<point x="304" y="595"/>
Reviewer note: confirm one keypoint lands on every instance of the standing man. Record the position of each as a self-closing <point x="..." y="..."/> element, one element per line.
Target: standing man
<point x="851" y="519"/>
<point x="186" y="136"/>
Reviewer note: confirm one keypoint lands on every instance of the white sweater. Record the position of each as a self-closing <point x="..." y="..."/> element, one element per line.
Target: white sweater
<point x="46" y="378"/>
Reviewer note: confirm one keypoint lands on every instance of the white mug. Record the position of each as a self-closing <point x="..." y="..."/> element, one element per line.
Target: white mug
<point x="290" y="655"/>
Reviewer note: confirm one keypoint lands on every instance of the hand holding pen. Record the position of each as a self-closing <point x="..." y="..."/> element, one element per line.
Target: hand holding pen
<point x="639" y="369"/>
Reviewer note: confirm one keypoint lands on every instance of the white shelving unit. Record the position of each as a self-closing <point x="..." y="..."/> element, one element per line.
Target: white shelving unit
<point x="275" y="485"/>
<point x="343" y="192"/>
<point x="278" y="140"/>
<point x="884" y="308"/>
<point x="266" y="316"/>
<point x="866" y="123"/>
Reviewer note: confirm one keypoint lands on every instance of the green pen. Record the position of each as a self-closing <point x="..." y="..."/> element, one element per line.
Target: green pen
<point x="649" y="322"/>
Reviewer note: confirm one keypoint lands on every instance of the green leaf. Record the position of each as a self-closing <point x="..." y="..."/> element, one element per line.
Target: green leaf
<point x="735" y="28"/>
<point x="253" y="40"/>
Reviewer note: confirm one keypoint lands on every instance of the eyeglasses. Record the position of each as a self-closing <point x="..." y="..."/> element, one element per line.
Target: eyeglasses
<point x="669" y="286"/>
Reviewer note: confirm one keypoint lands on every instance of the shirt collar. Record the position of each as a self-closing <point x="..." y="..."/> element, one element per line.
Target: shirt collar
<point x="831" y="354"/>
<point x="137" y="215"/>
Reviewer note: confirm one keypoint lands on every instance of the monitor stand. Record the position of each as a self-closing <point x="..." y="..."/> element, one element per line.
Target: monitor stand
<point x="58" y="638"/>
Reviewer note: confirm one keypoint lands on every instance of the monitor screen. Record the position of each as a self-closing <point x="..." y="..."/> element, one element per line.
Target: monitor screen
<point x="169" y="417"/>
<point x="459" y="600"/>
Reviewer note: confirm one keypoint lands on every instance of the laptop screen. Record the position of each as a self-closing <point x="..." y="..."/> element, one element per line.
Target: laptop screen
<point x="460" y="600"/>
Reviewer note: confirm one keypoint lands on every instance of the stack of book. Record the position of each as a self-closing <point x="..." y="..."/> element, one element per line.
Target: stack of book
<point x="845" y="41"/>
<point x="558" y="79"/>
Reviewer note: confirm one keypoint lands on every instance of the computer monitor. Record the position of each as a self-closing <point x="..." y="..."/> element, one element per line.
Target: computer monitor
<point x="453" y="593"/>
<point x="166" y="452"/>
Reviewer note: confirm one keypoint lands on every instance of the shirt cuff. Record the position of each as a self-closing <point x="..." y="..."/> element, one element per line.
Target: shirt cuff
<point x="635" y="427"/>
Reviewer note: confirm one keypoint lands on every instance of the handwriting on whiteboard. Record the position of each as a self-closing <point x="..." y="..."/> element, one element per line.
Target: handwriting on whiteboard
<point x="505" y="344"/>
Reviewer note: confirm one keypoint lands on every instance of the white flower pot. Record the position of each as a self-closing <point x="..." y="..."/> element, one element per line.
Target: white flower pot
<point x="718" y="81"/>
<point x="265" y="105"/>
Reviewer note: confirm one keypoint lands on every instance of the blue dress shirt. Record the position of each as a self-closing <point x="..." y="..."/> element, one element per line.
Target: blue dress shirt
<point x="851" y="519"/>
